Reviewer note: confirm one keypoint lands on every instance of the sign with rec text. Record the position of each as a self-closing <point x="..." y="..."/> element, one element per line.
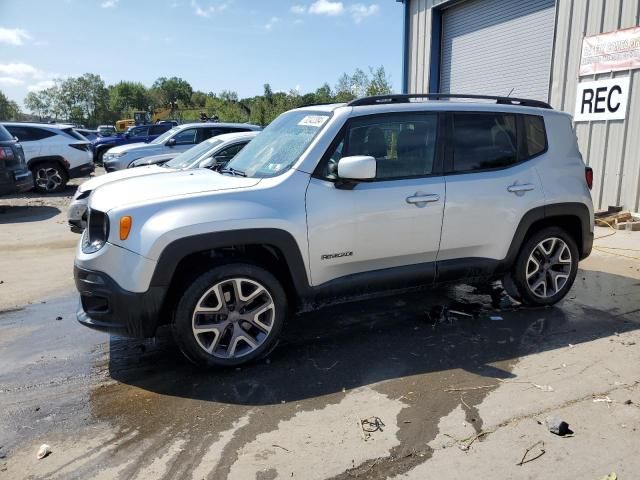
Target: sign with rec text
<point x="602" y="100"/>
<point x="611" y="52"/>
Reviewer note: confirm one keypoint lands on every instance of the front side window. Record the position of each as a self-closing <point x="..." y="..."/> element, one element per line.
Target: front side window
<point x="186" y="137"/>
<point x="5" y="135"/>
<point x="404" y="145"/>
<point x="165" y="136"/>
<point x="23" y="134"/>
<point x="483" y="141"/>
<point x="230" y="152"/>
<point x="279" y="145"/>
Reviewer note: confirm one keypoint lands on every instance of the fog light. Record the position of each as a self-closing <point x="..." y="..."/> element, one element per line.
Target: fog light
<point x="125" y="227"/>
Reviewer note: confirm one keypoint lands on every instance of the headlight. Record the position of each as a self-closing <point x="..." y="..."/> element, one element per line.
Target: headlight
<point x="97" y="231"/>
<point x="80" y="195"/>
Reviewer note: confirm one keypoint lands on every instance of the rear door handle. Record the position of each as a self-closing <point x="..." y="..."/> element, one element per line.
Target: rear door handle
<point x="421" y="199"/>
<point x="525" y="187"/>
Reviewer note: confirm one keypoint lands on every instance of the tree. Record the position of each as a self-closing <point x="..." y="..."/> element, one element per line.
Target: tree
<point x="379" y="83"/>
<point x="126" y="97"/>
<point x="9" y="109"/>
<point x="38" y="103"/>
<point x="198" y="99"/>
<point x="170" y="91"/>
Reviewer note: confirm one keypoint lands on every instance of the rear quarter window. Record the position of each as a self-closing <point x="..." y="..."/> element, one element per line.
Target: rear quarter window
<point x="535" y="135"/>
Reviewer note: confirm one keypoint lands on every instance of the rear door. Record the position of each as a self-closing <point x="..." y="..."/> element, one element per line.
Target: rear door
<point x="491" y="182"/>
<point x="393" y="221"/>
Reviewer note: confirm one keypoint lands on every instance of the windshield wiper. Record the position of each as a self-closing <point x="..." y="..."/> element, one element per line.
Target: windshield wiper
<point x="233" y="172"/>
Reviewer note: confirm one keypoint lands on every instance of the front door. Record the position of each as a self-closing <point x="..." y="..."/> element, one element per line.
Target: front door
<point x="393" y="221"/>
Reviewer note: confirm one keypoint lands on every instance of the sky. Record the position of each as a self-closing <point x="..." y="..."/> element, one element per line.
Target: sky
<point x="213" y="44"/>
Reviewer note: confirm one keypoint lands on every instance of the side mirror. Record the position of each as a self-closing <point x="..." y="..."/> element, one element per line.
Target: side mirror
<point x="207" y="163"/>
<point x="171" y="142"/>
<point x="357" y="168"/>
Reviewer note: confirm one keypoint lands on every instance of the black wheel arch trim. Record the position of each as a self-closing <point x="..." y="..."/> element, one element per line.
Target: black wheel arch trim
<point x="281" y="240"/>
<point x="48" y="158"/>
<point x="545" y="212"/>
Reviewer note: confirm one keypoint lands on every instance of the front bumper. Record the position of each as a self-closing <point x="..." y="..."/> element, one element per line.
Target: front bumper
<point x="113" y="164"/>
<point x="107" y="307"/>
<point x="83" y="170"/>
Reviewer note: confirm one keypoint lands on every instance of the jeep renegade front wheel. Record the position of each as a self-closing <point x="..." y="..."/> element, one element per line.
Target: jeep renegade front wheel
<point x="230" y="315"/>
<point x="546" y="267"/>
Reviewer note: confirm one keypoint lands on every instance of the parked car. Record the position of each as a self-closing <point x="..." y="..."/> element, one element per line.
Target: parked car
<point x="219" y="149"/>
<point x="213" y="153"/>
<point x="15" y="177"/>
<point x="178" y="139"/>
<point x="54" y="153"/>
<point x="336" y="202"/>
<point x="138" y="134"/>
<point x="90" y="135"/>
<point x="106" y="130"/>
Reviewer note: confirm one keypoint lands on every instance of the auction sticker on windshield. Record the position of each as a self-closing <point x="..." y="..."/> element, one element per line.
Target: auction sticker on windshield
<point x="313" y="121"/>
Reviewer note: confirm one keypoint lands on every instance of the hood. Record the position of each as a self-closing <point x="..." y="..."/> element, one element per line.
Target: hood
<point x="121" y="175"/>
<point x="150" y="160"/>
<point x="161" y="187"/>
<point x="134" y="146"/>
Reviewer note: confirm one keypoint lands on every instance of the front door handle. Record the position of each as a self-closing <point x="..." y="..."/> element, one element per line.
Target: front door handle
<point x="421" y="199"/>
<point x="525" y="187"/>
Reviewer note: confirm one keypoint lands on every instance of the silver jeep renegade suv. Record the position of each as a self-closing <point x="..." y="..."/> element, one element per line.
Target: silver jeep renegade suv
<point x="335" y="202"/>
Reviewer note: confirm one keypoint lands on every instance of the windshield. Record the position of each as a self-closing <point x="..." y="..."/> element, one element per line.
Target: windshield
<point x="279" y="145"/>
<point x="187" y="158"/>
<point x="165" y="136"/>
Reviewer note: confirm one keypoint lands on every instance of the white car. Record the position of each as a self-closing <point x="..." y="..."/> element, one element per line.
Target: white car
<point x="213" y="153"/>
<point x="54" y="153"/>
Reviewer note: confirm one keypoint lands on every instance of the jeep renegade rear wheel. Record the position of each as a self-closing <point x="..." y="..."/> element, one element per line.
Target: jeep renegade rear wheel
<point x="230" y="315"/>
<point x="546" y="267"/>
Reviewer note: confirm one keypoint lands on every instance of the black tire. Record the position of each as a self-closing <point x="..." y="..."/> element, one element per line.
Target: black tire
<point x="185" y="316"/>
<point x="49" y="177"/>
<point x="519" y="272"/>
<point x="99" y="156"/>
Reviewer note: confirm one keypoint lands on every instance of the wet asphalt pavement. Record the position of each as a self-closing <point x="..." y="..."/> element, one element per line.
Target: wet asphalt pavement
<point x="124" y="408"/>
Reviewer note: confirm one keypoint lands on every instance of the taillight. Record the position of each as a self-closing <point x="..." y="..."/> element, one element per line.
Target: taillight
<point x="80" y="146"/>
<point x="6" y="153"/>
<point x="588" y="176"/>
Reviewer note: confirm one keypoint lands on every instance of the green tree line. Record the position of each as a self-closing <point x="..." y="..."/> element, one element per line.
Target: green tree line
<point x="88" y="100"/>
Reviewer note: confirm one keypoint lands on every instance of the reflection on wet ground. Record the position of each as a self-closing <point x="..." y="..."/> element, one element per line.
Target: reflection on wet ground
<point x="410" y="349"/>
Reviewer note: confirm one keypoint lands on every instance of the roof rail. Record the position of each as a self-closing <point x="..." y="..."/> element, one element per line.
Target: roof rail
<point x="406" y="98"/>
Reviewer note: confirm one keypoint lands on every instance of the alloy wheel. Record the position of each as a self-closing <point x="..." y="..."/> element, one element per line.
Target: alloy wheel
<point x="233" y="318"/>
<point x="548" y="267"/>
<point x="48" y="179"/>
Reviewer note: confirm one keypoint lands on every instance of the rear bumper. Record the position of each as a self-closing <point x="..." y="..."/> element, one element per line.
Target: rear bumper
<point x="587" y="245"/>
<point x="107" y="307"/>
<point x="24" y="181"/>
<point x="83" y="170"/>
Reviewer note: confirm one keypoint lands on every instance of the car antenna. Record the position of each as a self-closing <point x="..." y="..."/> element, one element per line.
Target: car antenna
<point x="510" y="92"/>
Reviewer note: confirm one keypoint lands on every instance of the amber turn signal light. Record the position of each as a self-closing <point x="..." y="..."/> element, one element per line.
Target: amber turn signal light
<point x="125" y="227"/>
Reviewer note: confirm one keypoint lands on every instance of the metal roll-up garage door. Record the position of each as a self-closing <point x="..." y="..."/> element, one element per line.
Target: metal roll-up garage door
<point x="495" y="47"/>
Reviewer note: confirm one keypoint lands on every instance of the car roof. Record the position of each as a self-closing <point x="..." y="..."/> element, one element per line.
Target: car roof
<point x="57" y="126"/>
<point x="231" y="137"/>
<point x="220" y="124"/>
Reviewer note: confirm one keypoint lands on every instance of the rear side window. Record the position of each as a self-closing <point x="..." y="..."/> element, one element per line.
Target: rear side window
<point x="72" y="133"/>
<point x="535" y="135"/>
<point x="159" y="129"/>
<point x="484" y="141"/>
<point x="4" y="134"/>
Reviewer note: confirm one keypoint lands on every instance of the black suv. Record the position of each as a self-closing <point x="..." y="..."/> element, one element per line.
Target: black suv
<point x="15" y="177"/>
